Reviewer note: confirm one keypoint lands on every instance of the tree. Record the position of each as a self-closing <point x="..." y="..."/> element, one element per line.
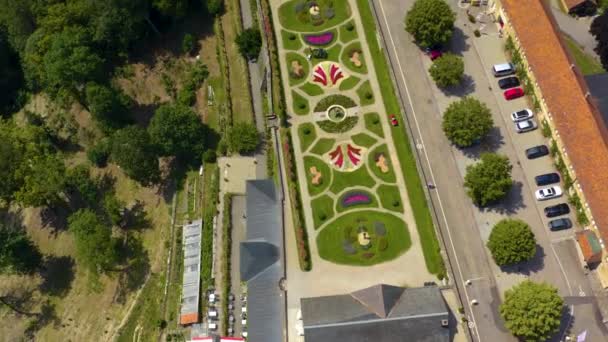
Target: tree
<point x="243" y="138"/>
<point x="532" y="311"/>
<point x="99" y="153"/>
<point x="43" y="181"/>
<point x="177" y="130"/>
<point x="79" y="182"/>
<point x="214" y="7"/>
<point x="489" y="180"/>
<point x="599" y="28"/>
<point x="95" y="248"/>
<point x="431" y="22"/>
<point x="18" y="254"/>
<point x="133" y="151"/>
<point x="11" y="77"/>
<point x="188" y="43"/>
<point x="447" y="70"/>
<point x="11" y="156"/>
<point x="171" y="8"/>
<point x="467" y="121"/>
<point x="511" y="241"/>
<point x="250" y="43"/>
<point x="113" y="207"/>
<point x="108" y="106"/>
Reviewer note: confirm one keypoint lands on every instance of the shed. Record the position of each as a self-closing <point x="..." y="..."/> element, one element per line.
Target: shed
<point x="590" y="246"/>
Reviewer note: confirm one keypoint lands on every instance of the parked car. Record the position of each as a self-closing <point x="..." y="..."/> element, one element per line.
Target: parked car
<point x="508" y="82"/>
<point x="393" y="119"/>
<point x="434" y="54"/>
<point x="548" y="193"/>
<point x="244" y="333"/>
<point x="525" y="126"/>
<point x="537" y="151"/>
<point x="547" y="178"/>
<point x="557" y="210"/>
<point x="513" y="93"/>
<point x="212" y="326"/>
<point x="503" y="69"/>
<point x="521" y="115"/>
<point x="560" y="224"/>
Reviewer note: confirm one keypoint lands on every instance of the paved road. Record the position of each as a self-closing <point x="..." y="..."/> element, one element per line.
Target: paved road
<point x="576" y="28"/>
<point x="464" y="227"/>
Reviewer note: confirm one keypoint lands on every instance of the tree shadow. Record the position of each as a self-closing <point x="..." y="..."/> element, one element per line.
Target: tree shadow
<point x="534" y="265"/>
<point x="143" y="113"/>
<point x="458" y="44"/>
<point x="47" y="316"/>
<point x="135" y="217"/>
<point x="511" y="203"/>
<point x="136" y="263"/>
<point x="491" y="143"/>
<point x="566" y="323"/>
<point x="55" y="218"/>
<point x="466" y="87"/>
<point x="57" y="275"/>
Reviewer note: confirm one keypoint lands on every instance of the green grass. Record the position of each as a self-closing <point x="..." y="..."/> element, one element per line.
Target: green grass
<point x="290" y="19"/>
<point x="390" y="198"/>
<point x="373" y="124"/>
<point x="300" y="104"/>
<point x="373" y="204"/>
<point x="343" y="180"/>
<point x="325" y="175"/>
<point x="341" y="231"/>
<point x="422" y="215"/>
<point x="322" y="210"/>
<point x="363" y="139"/>
<point x="312" y="89"/>
<point x="347" y="53"/>
<point x="145" y="313"/>
<point x="366" y="95"/>
<point x="348" y="32"/>
<point x="293" y="78"/>
<point x="587" y="64"/>
<point x="307" y="134"/>
<point x="323" y="146"/>
<point x="291" y="40"/>
<point x="349" y="83"/>
<point x="388" y="177"/>
<point x="333" y="54"/>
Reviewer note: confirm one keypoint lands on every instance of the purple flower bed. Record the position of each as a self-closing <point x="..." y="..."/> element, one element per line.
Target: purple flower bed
<point x="319" y="39"/>
<point x="355" y="198"/>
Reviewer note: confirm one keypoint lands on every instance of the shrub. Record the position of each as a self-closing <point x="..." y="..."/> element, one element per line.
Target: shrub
<point x="477" y="33"/>
<point x="382" y="244"/>
<point x="209" y="156"/>
<point x="472" y="18"/>
<point x="338" y="127"/>
<point x="99" y="153"/>
<point x="188" y="43"/>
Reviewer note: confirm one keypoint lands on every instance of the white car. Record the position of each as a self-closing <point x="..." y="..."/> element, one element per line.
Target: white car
<point x="525" y="126"/>
<point x="244" y="322"/>
<point x="548" y="193"/>
<point x="522" y="115"/>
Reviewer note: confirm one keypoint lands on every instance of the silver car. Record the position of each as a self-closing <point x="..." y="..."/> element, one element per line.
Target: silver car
<point x="521" y="115"/>
<point x="525" y="126"/>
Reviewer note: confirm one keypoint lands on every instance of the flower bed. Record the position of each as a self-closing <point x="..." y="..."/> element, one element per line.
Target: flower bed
<point x="355" y="198"/>
<point x="319" y="39"/>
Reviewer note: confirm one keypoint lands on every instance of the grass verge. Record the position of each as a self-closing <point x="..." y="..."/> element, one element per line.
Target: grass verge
<point x="366" y="95"/>
<point x="322" y="210"/>
<point x="323" y="146"/>
<point x="587" y="64"/>
<point x="307" y="135"/>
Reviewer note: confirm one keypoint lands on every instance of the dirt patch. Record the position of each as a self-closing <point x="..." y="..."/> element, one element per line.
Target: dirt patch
<point x="381" y="163"/>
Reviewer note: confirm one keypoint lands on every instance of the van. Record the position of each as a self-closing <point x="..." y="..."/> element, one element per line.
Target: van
<point x="503" y="69"/>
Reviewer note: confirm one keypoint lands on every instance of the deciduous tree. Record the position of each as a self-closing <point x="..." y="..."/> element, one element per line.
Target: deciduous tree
<point x="18" y="254"/>
<point x="447" y="70"/>
<point x="109" y="107"/>
<point x="489" y="180"/>
<point x="599" y="28"/>
<point x="250" y="43"/>
<point x="133" y="151"/>
<point x="511" y="241"/>
<point x="243" y="138"/>
<point x="467" y="121"/>
<point x="431" y="22"/>
<point x="43" y="181"/>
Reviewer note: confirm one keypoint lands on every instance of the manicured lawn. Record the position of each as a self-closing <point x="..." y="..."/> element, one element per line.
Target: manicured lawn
<point x="390" y="198"/>
<point x="295" y="79"/>
<point x="300" y="104"/>
<point x="310" y="162"/>
<point x="363" y="139"/>
<point x="348" y="32"/>
<point x="389" y="176"/>
<point x="322" y="210"/>
<point x="422" y="215"/>
<point x="292" y="20"/>
<point x="323" y="146"/>
<point x="291" y="40"/>
<point x="338" y="241"/>
<point x="312" y="89"/>
<point x="349" y="83"/>
<point x="587" y="64"/>
<point x="343" y="180"/>
<point x="373" y="124"/>
<point x="372" y="204"/>
<point x="307" y="134"/>
<point x="348" y="52"/>
<point x="333" y="54"/>
<point x="366" y="95"/>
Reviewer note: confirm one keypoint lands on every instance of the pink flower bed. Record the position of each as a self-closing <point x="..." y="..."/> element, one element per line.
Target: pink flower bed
<point x="319" y="39"/>
<point x="355" y="198"/>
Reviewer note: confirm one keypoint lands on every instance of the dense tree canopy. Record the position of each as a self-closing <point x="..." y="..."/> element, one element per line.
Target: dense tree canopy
<point x="80" y="183"/>
<point x="447" y="70"/>
<point x="532" y="311"/>
<point x="489" y="180"/>
<point x="511" y="241"/>
<point x="133" y="151"/>
<point x="599" y="28"/>
<point x="250" y="43"/>
<point x="177" y="130"/>
<point x="109" y="106"/>
<point x="11" y="77"/>
<point x="467" y="121"/>
<point x="214" y="7"/>
<point x="18" y="254"/>
<point x="43" y="181"/>
<point x="95" y="248"/>
<point x="431" y="22"/>
<point x="243" y="138"/>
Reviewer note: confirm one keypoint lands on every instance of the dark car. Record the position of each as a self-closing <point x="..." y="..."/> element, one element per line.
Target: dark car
<point x="557" y="210"/>
<point x="508" y="82"/>
<point x="546" y="179"/>
<point x="560" y="224"/>
<point x="537" y="152"/>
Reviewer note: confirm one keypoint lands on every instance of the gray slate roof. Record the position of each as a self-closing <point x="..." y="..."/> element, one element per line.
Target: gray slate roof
<point x="381" y="313"/>
<point x="598" y="87"/>
<point x="262" y="263"/>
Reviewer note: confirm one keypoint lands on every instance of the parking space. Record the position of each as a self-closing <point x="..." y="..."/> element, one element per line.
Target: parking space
<point x="236" y="316"/>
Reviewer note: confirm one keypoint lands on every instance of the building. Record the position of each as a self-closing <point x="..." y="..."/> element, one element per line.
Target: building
<point x="590" y="248"/>
<point x="565" y="104"/>
<point x="580" y="7"/>
<point x="189" y="313"/>
<point x="215" y="339"/>
<point x="598" y="87"/>
<point x="262" y="263"/>
<point x="381" y="313"/>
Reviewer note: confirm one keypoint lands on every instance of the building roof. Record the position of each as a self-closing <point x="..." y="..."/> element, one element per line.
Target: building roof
<point x="590" y="246"/>
<point x="577" y="122"/>
<point x="598" y="87"/>
<point x="192" y="272"/>
<point x="262" y="263"/>
<point x="381" y="313"/>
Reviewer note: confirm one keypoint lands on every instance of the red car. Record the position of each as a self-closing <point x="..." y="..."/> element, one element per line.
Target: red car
<point x="394" y="121"/>
<point x="434" y="54"/>
<point x="513" y="93"/>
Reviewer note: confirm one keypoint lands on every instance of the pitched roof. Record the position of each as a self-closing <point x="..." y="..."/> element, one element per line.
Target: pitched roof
<point x="256" y="256"/>
<point x="578" y="123"/>
<point x="379" y="298"/>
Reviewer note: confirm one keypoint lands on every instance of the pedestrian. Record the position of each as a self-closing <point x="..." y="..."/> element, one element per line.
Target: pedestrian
<point x="431" y="186"/>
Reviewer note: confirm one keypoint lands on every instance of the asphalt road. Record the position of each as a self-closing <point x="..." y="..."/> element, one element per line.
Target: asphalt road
<point x="464" y="227"/>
